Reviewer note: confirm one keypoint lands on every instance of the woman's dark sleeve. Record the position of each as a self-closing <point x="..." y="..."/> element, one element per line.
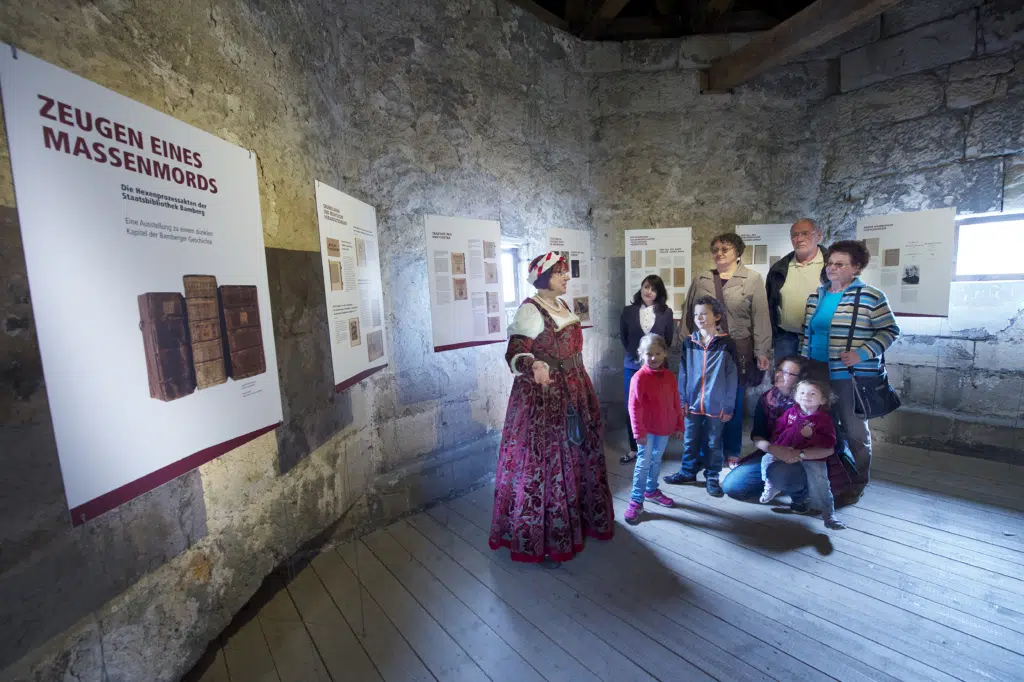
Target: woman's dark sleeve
<point x="762" y="430"/>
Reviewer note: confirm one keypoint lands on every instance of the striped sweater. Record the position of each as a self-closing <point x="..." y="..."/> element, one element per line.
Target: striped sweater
<point x="876" y="329"/>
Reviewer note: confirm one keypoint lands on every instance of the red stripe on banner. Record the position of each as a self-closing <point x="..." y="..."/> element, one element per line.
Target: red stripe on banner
<point x="455" y="346"/>
<point x="129" y="491"/>
<point x="352" y="381"/>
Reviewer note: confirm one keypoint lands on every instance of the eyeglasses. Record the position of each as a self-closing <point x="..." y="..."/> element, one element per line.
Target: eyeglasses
<point x="833" y="264"/>
<point x="789" y="374"/>
<point x="722" y="249"/>
<point x="801" y="235"/>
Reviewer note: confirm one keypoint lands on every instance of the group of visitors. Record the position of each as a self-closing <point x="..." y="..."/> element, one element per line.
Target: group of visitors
<point x="823" y="325"/>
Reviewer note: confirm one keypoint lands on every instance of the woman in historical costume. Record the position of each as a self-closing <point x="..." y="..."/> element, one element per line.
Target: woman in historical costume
<point x="551" y="488"/>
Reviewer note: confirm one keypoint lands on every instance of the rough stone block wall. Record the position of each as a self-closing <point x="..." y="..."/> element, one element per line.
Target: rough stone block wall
<point x="932" y="115"/>
<point x="921" y="108"/>
<point x="460" y="107"/>
<point x="665" y="155"/>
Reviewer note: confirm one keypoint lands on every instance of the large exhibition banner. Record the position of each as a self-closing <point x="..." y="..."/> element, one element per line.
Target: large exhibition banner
<point x="575" y="246"/>
<point x="148" y="274"/>
<point x="664" y="252"/>
<point x="765" y="245"/>
<point x="911" y="259"/>
<point x="465" y="284"/>
<point x="350" y="252"/>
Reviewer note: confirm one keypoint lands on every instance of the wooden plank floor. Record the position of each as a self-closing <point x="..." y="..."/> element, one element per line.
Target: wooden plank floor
<point x="925" y="584"/>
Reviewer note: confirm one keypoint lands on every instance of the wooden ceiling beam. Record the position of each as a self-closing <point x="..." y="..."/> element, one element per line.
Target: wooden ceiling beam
<point x="606" y="12"/>
<point x="543" y="14"/>
<point x="709" y="13"/>
<point x="805" y="30"/>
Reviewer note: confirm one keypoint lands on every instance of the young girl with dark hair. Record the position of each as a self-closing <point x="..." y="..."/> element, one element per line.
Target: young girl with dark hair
<point x="647" y="314"/>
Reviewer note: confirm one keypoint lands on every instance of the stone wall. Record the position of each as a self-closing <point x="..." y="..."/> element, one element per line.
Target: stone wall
<point x="665" y="155"/>
<point x="921" y="108"/>
<point x="471" y="107"/>
<point x="931" y="114"/>
<point x="467" y="108"/>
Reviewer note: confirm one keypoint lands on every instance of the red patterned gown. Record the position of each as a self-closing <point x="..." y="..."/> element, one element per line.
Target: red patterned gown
<point x="549" y="493"/>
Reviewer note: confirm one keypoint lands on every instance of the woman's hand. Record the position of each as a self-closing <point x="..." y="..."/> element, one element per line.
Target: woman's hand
<point x="678" y="435"/>
<point x="763" y="363"/>
<point x="786" y="454"/>
<point x="541" y="374"/>
<point x="850" y="357"/>
<point x="641" y="440"/>
<point x="807" y="431"/>
<point x="726" y="418"/>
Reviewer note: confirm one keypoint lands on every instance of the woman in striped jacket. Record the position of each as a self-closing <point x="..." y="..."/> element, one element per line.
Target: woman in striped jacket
<point x="827" y="322"/>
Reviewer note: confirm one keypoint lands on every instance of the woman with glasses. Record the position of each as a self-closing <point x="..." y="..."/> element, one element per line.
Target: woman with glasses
<point x="827" y="331"/>
<point x="746" y="321"/>
<point x="787" y="474"/>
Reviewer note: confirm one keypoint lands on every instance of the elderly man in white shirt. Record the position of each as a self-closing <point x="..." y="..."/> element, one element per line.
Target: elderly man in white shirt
<point x="790" y="281"/>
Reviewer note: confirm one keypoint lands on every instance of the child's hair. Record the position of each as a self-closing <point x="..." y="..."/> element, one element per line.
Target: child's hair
<point x="716" y="305"/>
<point x="649" y="341"/>
<point x="823" y="387"/>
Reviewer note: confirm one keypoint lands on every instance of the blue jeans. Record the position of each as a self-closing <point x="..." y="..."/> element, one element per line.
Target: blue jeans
<point x="744" y="482"/>
<point x="732" y="431"/>
<point x="702" y="446"/>
<point x="628" y="373"/>
<point x="648" y="466"/>
<point x="785" y="344"/>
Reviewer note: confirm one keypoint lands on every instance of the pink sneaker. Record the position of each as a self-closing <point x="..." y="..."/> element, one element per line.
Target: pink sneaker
<point x="632" y="514"/>
<point x="658" y="497"/>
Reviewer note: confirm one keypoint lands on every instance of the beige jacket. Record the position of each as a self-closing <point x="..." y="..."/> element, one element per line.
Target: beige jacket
<point x="746" y="307"/>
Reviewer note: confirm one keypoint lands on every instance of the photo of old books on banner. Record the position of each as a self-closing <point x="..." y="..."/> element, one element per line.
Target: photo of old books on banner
<point x="201" y="339"/>
<point x="172" y="360"/>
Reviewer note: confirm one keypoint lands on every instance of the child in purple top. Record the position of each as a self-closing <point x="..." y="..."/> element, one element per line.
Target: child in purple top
<point x="804" y="426"/>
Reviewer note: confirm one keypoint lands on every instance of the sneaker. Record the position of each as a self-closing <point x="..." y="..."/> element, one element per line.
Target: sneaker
<point x="658" y="497"/>
<point x="679" y="478"/>
<point x="713" y="487"/>
<point x="770" y="493"/>
<point x="632" y="514"/>
<point x="800" y="507"/>
<point x="835" y="524"/>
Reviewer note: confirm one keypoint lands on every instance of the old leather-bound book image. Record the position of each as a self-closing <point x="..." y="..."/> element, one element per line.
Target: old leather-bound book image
<point x="205" y="330"/>
<point x="166" y="343"/>
<point x="243" y="336"/>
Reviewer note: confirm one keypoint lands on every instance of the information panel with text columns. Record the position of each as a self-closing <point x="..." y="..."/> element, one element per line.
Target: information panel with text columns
<point x="911" y="259"/>
<point x="350" y="253"/>
<point x="664" y="252"/>
<point x="765" y="246"/>
<point x="146" y="262"/>
<point x="575" y="246"/>
<point x="465" y="280"/>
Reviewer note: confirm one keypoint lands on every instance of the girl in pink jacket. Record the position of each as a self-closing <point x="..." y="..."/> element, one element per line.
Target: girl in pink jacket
<point x="656" y="415"/>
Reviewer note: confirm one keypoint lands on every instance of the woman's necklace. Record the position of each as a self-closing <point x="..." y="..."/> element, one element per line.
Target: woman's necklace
<point x="554" y="307"/>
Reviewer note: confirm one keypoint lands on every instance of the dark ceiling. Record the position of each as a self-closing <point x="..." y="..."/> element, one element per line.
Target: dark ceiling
<point x="636" y="19"/>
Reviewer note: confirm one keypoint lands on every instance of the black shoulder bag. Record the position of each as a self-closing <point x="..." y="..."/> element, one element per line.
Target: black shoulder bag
<point x="875" y="397"/>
